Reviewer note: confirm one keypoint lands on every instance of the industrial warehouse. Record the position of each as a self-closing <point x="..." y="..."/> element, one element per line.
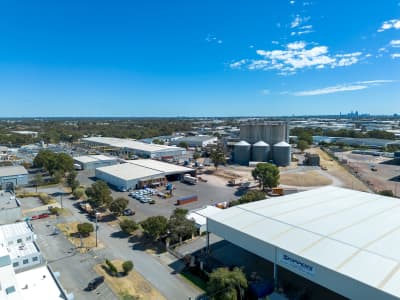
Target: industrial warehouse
<point x="139" y="173"/>
<point x="13" y="176"/>
<point x="343" y="240"/>
<point x="263" y="142"/>
<point x="91" y="162"/>
<point x="131" y="147"/>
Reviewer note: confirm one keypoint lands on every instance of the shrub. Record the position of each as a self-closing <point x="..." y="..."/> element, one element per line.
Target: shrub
<point x="55" y="211"/>
<point x="85" y="228"/>
<point x="45" y="198"/>
<point x="112" y="270"/>
<point x="127" y="266"/>
<point x="128" y="226"/>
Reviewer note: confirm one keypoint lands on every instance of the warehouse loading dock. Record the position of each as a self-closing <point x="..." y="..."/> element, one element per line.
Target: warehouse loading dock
<point x="343" y="240"/>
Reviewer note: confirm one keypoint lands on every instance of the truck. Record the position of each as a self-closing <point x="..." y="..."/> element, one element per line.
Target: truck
<point x="235" y="181"/>
<point x="187" y="199"/>
<point x="189" y="179"/>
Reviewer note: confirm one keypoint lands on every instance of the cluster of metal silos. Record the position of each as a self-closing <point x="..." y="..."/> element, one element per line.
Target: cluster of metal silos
<point x="261" y="136"/>
<point x="280" y="154"/>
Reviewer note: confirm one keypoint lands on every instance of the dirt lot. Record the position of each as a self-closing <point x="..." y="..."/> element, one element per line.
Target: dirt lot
<point x="307" y="178"/>
<point x="70" y="229"/>
<point x="334" y="169"/>
<point x="132" y="284"/>
<point x="386" y="176"/>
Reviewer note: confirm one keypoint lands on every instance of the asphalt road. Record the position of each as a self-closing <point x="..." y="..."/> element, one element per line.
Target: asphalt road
<point x="77" y="268"/>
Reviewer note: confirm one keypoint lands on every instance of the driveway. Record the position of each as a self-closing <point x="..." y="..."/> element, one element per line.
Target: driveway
<point x="148" y="265"/>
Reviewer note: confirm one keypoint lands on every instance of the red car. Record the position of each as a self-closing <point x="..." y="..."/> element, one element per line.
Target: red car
<point x="41" y="216"/>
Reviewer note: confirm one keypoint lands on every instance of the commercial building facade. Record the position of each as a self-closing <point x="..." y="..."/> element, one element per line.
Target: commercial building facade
<point x="13" y="176"/>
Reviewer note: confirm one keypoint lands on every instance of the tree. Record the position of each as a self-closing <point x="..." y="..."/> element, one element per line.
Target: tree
<point x="57" y="177"/>
<point x="196" y="155"/>
<point x="183" y="145"/>
<point x="99" y="194"/>
<point x="252" y="196"/>
<point x="388" y="193"/>
<point x="118" y="205"/>
<point x="302" y="145"/>
<point x="179" y="227"/>
<point x="71" y="180"/>
<point x="53" y="162"/>
<point x="305" y="136"/>
<point x="128" y="226"/>
<point x="79" y="193"/>
<point x="64" y="162"/>
<point x="127" y="266"/>
<point x="218" y="157"/>
<point x="85" y="229"/>
<point x="38" y="180"/>
<point x="158" y="142"/>
<point x="155" y="226"/>
<point x="267" y="174"/>
<point x="225" y="284"/>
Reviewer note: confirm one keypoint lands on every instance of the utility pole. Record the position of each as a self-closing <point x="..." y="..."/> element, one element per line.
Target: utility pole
<point x="97" y="226"/>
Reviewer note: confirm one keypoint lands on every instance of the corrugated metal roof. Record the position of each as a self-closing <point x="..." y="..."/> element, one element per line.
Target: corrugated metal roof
<point x="12" y="171"/>
<point x="128" y="171"/>
<point x="242" y="143"/>
<point x="93" y="158"/>
<point x="353" y="233"/>
<point x="160" y="166"/>
<point x="282" y="144"/>
<point x="131" y="144"/>
<point x="260" y="144"/>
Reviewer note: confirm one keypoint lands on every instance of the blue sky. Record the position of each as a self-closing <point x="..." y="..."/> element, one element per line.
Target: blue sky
<point x="199" y="58"/>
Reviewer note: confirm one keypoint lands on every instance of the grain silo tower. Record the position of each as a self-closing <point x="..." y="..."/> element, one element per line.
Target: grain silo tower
<point x="281" y="154"/>
<point x="260" y="151"/>
<point x="270" y="132"/>
<point x="241" y="153"/>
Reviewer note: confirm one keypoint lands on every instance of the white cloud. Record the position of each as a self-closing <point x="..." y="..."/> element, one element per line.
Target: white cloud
<point x="395" y="43"/>
<point x="265" y="92"/>
<point x="355" y="86"/>
<point x="395" y="55"/>
<point x="297" y="56"/>
<point x="292" y="2"/>
<point x="238" y="64"/>
<point x="390" y="24"/>
<point x="297" y="21"/>
<point x="212" y="39"/>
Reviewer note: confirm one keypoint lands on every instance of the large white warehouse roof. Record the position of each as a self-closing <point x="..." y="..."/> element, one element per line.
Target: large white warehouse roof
<point x="129" y="144"/>
<point x="163" y="167"/>
<point x="351" y="233"/>
<point x="129" y="171"/>
<point x="93" y="158"/>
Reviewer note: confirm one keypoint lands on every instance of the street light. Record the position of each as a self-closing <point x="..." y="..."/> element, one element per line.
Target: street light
<point x="97" y="226"/>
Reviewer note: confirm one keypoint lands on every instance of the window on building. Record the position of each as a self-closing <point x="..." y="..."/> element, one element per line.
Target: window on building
<point x="16" y="264"/>
<point x="35" y="258"/>
<point x="25" y="261"/>
<point x="19" y="241"/>
<point x="10" y="289"/>
<point x="28" y="238"/>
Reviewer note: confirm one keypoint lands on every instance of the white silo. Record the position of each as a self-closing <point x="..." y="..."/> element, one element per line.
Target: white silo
<point x="260" y="151"/>
<point x="281" y="154"/>
<point x="241" y="153"/>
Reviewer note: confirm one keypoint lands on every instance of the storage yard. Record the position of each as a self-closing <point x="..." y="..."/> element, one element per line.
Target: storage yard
<point x="380" y="173"/>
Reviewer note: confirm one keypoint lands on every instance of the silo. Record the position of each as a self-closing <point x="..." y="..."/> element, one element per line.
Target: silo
<point x="281" y="154"/>
<point x="270" y="132"/>
<point x="260" y="151"/>
<point x="241" y="153"/>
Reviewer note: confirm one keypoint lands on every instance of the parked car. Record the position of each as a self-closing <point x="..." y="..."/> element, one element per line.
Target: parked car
<point x="128" y="212"/>
<point x="95" y="283"/>
<point x="41" y="216"/>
